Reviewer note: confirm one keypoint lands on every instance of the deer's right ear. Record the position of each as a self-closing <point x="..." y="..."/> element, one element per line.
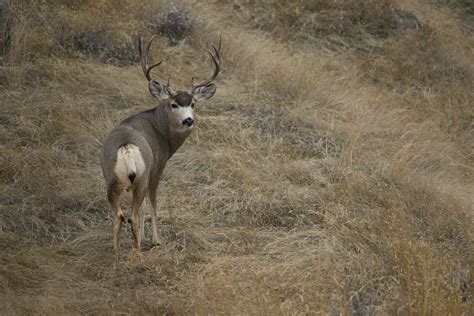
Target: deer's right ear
<point x="158" y="90"/>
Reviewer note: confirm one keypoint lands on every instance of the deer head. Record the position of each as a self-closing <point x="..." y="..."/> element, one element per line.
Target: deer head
<point x="180" y="105"/>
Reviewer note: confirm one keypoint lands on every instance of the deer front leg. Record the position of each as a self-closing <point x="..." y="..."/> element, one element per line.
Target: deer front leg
<point x="142" y="220"/>
<point x="152" y="197"/>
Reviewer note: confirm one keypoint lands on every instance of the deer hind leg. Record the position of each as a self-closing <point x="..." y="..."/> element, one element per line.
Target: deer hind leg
<point x="114" y="197"/>
<point x="142" y="220"/>
<point x="117" y="229"/>
<point x="138" y="197"/>
<point x="152" y="197"/>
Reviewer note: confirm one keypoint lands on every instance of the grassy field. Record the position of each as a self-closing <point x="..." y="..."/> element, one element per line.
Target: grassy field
<point x="332" y="172"/>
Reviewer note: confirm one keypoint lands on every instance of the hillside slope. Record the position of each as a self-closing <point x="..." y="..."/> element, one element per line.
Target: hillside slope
<point x="331" y="173"/>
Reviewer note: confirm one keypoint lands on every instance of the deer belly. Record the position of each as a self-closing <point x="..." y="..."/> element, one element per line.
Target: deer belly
<point x="130" y="165"/>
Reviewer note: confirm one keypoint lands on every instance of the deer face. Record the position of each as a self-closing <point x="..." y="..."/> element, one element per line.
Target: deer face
<point x="181" y="114"/>
<point x="180" y="105"/>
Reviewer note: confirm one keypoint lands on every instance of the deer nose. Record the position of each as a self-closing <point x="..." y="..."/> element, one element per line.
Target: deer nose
<point x="188" y="122"/>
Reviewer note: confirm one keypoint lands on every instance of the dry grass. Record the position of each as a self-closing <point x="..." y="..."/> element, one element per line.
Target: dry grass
<point x="331" y="173"/>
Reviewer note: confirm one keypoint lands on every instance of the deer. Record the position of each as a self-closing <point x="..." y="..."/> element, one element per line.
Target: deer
<point x="136" y="151"/>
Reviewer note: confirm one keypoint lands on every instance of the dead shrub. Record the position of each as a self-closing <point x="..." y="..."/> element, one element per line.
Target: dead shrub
<point x="416" y="61"/>
<point x="6" y="21"/>
<point x="337" y="25"/>
<point x="99" y="42"/>
<point x="465" y="7"/>
<point x="175" y="23"/>
<point x="418" y="67"/>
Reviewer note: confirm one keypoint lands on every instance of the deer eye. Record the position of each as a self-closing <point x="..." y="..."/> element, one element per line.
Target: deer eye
<point x="192" y="105"/>
<point x="174" y="105"/>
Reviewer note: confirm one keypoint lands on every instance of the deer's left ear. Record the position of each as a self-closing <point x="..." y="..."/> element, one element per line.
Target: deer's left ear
<point x="204" y="92"/>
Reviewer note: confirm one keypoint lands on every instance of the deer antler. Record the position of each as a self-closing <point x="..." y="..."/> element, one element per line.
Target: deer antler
<point x="216" y="59"/>
<point x="144" y="58"/>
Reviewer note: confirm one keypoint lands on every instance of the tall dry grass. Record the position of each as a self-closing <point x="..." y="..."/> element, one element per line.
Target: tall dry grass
<point x="331" y="173"/>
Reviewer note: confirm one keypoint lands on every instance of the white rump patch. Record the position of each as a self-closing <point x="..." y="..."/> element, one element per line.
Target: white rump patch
<point x="129" y="161"/>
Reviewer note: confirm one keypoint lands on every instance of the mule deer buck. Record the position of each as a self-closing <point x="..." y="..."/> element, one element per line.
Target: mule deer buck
<point x="136" y="151"/>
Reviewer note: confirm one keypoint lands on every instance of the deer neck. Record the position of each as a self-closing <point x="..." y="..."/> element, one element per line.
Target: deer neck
<point x="176" y="139"/>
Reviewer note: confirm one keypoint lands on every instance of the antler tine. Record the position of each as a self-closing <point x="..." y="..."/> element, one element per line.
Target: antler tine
<point x="150" y="68"/>
<point x="217" y="50"/>
<point x="216" y="59"/>
<point x="144" y="58"/>
<point x="149" y="43"/>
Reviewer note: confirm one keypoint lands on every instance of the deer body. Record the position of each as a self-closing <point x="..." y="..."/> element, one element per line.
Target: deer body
<point x="135" y="152"/>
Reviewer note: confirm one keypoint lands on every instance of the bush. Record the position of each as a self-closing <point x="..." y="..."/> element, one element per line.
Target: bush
<point x="331" y="24"/>
<point x="97" y="41"/>
<point x="174" y="23"/>
<point x="416" y="61"/>
<point x="465" y="6"/>
<point x="6" y="20"/>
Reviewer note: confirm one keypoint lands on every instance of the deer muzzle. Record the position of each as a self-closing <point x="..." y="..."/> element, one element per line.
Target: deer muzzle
<point x="188" y="122"/>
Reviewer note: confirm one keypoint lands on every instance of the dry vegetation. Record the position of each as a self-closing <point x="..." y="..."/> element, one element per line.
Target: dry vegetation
<point x="332" y="173"/>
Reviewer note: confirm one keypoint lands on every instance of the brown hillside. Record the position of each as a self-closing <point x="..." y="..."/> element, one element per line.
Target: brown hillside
<point x="332" y="172"/>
